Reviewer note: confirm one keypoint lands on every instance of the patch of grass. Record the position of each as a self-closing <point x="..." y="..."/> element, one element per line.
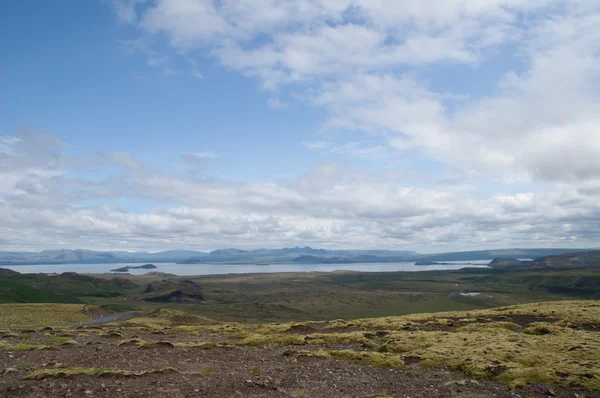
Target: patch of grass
<point x="58" y="340"/>
<point x="94" y="372"/>
<point x="255" y="371"/>
<point x="205" y="345"/>
<point x="491" y="325"/>
<point x="262" y="339"/>
<point x="348" y="337"/>
<point x="118" y="307"/>
<point x="149" y="323"/>
<point x="129" y="342"/>
<point x="23" y="315"/>
<point x="205" y="372"/>
<point x="490" y="346"/>
<point x="177" y="317"/>
<point x="541" y="328"/>
<point x="26" y="365"/>
<point x="5" y="346"/>
<point x="68" y="372"/>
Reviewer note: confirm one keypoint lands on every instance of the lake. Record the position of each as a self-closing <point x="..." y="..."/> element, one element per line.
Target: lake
<point x="216" y="269"/>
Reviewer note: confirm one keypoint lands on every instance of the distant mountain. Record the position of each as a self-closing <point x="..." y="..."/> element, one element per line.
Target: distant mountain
<point x="58" y="256"/>
<point x="492" y="254"/>
<point x="175" y="255"/>
<point x="89" y="257"/>
<point x="376" y="253"/>
<point x="228" y="252"/>
<point x="305" y="250"/>
<point x="507" y="263"/>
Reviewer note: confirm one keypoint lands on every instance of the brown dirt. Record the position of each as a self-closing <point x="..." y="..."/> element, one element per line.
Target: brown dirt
<point x="241" y="371"/>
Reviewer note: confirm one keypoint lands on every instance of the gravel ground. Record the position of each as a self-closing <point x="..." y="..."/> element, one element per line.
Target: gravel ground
<point x="235" y="371"/>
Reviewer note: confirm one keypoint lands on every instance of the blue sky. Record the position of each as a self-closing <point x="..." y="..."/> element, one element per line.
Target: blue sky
<point x="71" y="73"/>
<point x="196" y="124"/>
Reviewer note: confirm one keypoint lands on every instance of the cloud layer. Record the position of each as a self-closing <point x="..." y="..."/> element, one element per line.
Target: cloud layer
<point x="45" y="202"/>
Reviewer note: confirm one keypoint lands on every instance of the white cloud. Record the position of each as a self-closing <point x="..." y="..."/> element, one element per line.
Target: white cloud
<point x="362" y="60"/>
<point x="353" y="149"/>
<point x="197" y="74"/>
<point x="204" y="155"/>
<point x="331" y="205"/>
<point x="276" y="103"/>
<point x="126" y="9"/>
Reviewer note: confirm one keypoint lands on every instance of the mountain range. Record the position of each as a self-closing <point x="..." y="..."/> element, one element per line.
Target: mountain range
<point x="264" y="256"/>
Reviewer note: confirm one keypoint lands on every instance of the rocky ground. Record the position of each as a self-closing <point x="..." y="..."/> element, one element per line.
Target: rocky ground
<point x="163" y="357"/>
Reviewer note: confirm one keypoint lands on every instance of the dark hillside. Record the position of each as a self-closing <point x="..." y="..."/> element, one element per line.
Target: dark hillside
<point x="68" y="287"/>
<point x="164" y="291"/>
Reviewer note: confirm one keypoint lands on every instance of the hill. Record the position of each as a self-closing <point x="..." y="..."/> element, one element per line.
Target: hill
<point x="68" y="287"/>
<point x="584" y="259"/>
<point x="570" y="260"/>
<point x="178" y="291"/>
<point x="492" y="254"/>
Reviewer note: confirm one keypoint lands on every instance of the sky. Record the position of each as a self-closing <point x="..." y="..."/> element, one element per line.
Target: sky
<point x="426" y="125"/>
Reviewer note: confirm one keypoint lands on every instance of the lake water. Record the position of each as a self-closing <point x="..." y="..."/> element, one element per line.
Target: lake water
<point x="216" y="269"/>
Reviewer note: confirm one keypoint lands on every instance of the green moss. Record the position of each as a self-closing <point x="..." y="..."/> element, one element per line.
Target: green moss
<point x="58" y="340"/>
<point x="5" y="346"/>
<point x="205" y="345"/>
<point x="255" y="371"/>
<point x="67" y="372"/>
<point x="541" y="328"/>
<point x="204" y="372"/>
<point x="348" y="337"/>
<point x="283" y="339"/>
<point x="491" y="325"/>
<point x="94" y="372"/>
<point x="26" y="365"/>
<point x="128" y="342"/>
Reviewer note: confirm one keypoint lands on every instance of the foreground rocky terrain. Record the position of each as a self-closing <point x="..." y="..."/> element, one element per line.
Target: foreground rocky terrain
<point x="546" y="349"/>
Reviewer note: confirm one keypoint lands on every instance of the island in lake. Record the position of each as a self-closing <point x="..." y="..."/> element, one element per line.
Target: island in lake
<point x="129" y="267"/>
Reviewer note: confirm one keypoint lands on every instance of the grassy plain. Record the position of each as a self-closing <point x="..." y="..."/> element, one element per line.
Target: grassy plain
<point x="322" y="296"/>
<point x="316" y="296"/>
<point x="23" y="315"/>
